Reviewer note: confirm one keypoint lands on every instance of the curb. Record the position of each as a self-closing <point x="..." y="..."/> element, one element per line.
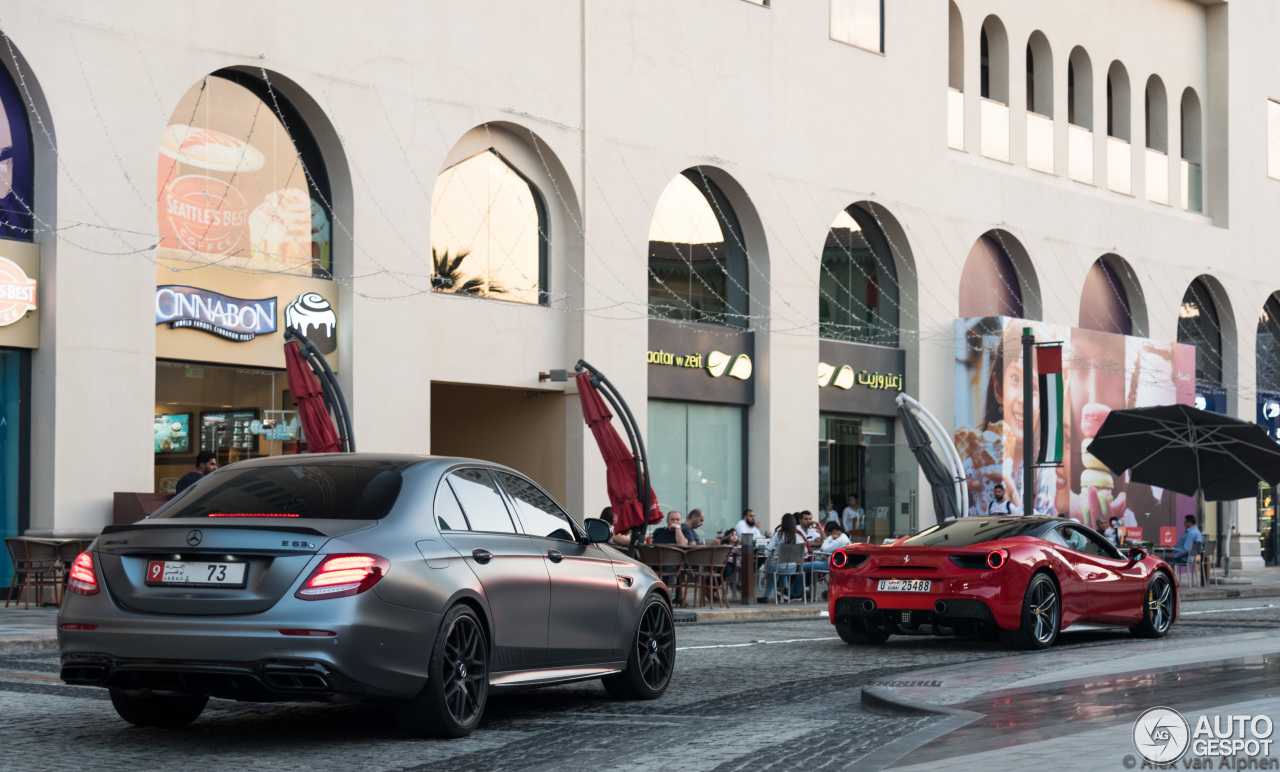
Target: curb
<point x="693" y="616"/>
<point x="1243" y="591"/>
<point x="886" y="702"/>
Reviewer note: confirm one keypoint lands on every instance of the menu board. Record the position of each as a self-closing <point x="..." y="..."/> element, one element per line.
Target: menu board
<point x="173" y="433"/>
<point x="222" y="432"/>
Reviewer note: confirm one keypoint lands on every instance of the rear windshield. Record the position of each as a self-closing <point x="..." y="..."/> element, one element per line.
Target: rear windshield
<point x="967" y="531"/>
<point x="303" y="491"/>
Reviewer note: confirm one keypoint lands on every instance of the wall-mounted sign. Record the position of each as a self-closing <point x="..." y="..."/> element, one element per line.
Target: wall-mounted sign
<point x="716" y="363"/>
<point x="312" y="315"/>
<point x="858" y="378"/>
<point x="227" y="317"/>
<point x="845" y="377"/>
<point x="17" y="292"/>
<point x="700" y="363"/>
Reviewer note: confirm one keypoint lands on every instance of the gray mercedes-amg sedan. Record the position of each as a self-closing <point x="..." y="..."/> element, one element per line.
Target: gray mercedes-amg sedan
<point x="426" y="582"/>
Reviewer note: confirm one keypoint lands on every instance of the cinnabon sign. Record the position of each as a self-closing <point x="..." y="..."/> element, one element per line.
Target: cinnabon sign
<point x="17" y="292"/>
<point x="227" y="317"/>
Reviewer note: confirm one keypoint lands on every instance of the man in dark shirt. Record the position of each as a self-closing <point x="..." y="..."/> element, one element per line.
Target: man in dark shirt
<point x="674" y="533"/>
<point x="206" y="462"/>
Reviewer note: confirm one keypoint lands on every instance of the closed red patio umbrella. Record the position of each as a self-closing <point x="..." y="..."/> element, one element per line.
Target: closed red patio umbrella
<point x="620" y="462"/>
<point x="317" y="424"/>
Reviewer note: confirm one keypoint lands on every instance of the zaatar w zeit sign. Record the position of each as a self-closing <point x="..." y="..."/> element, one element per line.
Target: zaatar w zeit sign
<point x="227" y="317"/>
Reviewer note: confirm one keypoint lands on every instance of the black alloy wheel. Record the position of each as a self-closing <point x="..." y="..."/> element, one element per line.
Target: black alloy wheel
<point x="168" y="712"/>
<point x="452" y="702"/>
<point x="1041" y="614"/>
<point x="652" y="660"/>
<point x="1157" y="608"/>
<point x="859" y="633"/>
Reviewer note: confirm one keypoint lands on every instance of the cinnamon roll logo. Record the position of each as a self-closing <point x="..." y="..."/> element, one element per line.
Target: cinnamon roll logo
<point x="312" y="315"/>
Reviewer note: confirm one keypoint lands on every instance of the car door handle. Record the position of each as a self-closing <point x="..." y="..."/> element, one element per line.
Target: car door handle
<point x="481" y="556"/>
<point x="555" y="555"/>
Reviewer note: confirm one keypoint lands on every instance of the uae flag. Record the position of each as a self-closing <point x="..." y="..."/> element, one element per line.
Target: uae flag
<point x="1049" y="367"/>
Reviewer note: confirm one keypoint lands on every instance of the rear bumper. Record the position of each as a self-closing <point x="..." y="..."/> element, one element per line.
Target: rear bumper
<point x="947" y="615"/>
<point x="270" y="680"/>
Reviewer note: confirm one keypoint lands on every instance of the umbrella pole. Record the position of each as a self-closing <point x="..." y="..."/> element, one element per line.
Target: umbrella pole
<point x="637" y="447"/>
<point x="1028" y="396"/>
<point x="334" y="399"/>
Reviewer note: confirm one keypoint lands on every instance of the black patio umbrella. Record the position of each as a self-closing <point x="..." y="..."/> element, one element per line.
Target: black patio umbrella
<point x="941" y="481"/>
<point x="1183" y="449"/>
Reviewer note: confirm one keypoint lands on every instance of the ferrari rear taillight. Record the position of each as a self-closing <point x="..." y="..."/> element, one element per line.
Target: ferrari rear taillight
<point x="341" y="575"/>
<point x="997" y="558"/>
<point x="840" y="560"/>
<point x="83" y="581"/>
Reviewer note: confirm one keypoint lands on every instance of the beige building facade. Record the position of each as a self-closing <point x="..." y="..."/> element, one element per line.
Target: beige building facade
<point x="803" y="183"/>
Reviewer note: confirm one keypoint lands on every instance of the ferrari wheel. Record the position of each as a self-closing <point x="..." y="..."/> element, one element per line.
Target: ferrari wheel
<point x="850" y="635"/>
<point x="1157" y="608"/>
<point x="1041" y="614"/>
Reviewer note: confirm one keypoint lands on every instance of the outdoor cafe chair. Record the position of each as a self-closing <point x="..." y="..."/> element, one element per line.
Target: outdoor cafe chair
<point x="811" y="585"/>
<point x="788" y="554"/>
<point x="1208" y="562"/>
<point x="667" y="561"/>
<point x="1192" y="568"/>
<point x="36" y="566"/>
<point x="706" y="574"/>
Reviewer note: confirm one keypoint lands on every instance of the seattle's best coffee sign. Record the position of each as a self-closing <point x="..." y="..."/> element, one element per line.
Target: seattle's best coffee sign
<point x="17" y="293"/>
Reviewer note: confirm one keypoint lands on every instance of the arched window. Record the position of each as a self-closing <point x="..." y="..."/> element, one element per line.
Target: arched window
<point x="1268" y="346"/>
<point x="989" y="284"/>
<point x="858" y="289"/>
<point x="1039" y="75"/>
<point x="236" y="188"/>
<point x="1156" y="109"/>
<point x="1104" y="301"/>
<point x="1118" y="102"/>
<point x="697" y="255"/>
<point x="1080" y="89"/>
<point x="17" y="175"/>
<point x="1198" y="325"/>
<point x="488" y="232"/>
<point x="994" y="49"/>
<point x="1192" y="150"/>
<point x="955" y="48"/>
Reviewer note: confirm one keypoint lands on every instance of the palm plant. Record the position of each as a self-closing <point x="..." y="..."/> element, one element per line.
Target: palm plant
<point x="447" y="276"/>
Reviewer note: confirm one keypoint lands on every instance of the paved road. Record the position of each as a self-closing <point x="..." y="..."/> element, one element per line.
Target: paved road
<point x="753" y="696"/>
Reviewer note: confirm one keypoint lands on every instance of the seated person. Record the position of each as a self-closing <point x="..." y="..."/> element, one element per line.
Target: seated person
<point x="674" y="532"/>
<point x="836" y="538"/>
<point x="1076" y="540"/>
<point x="1184" y="553"/>
<point x="616" y="539"/>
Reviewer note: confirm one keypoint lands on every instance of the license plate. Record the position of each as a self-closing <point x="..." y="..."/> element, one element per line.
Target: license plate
<point x="193" y="574"/>
<point x="904" y="585"/>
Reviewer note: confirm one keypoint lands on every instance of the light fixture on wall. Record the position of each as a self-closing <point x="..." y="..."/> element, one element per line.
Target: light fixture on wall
<point x="555" y="376"/>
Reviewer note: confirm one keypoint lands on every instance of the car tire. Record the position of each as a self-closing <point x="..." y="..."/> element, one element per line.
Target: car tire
<point x="157" y="710"/>
<point x="1041" y="614"/>
<point x="452" y="702"/>
<point x="1157" y="608"/>
<point x="849" y="635"/>
<point x="652" y="659"/>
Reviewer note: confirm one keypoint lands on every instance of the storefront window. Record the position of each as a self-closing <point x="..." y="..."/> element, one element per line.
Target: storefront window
<point x="858" y="289"/>
<point x="15" y="388"/>
<point x="1198" y="325"/>
<point x="16" y="195"/>
<point x="236" y="188"/>
<point x="1268" y="347"/>
<point x="696" y="457"/>
<point x="856" y="457"/>
<point x="488" y="232"/>
<point x="234" y="412"/>
<point x="697" y="256"/>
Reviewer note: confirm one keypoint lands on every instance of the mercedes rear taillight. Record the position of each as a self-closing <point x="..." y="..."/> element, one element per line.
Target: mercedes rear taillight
<point x="341" y="575"/>
<point x="83" y="580"/>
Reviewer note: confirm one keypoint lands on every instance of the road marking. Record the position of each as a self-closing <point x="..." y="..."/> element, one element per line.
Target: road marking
<point x="755" y="643"/>
<point x="1228" y="610"/>
<point x="12" y="676"/>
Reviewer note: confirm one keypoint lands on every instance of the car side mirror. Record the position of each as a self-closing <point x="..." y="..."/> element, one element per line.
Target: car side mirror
<point x="1137" y="553"/>
<point x="597" y="530"/>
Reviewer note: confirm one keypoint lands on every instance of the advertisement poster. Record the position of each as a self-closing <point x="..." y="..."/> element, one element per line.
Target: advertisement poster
<point x="1101" y="372"/>
<point x="173" y="433"/>
<point x="231" y="188"/>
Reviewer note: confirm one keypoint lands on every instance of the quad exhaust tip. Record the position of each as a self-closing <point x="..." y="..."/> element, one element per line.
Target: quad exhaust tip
<point x="940" y="607"/>
<point x="868" y="605"/>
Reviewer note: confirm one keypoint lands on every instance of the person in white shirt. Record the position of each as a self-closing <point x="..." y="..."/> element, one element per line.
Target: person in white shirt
<point x="836" y="539"/>
<point x="999" y="505"/>
<point x="853" y="516"/>
<point x="812" y="533"/>
<point x="788" y="533"/>
<point x="829" y="512"/>
<point x="748" y="525"/>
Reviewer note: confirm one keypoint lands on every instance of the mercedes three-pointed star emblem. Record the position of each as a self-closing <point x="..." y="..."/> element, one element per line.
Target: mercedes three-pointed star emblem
<point x="194" y="538"/>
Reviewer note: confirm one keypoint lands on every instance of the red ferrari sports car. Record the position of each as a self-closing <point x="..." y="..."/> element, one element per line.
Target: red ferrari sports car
<point x="1024" y="577"/>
